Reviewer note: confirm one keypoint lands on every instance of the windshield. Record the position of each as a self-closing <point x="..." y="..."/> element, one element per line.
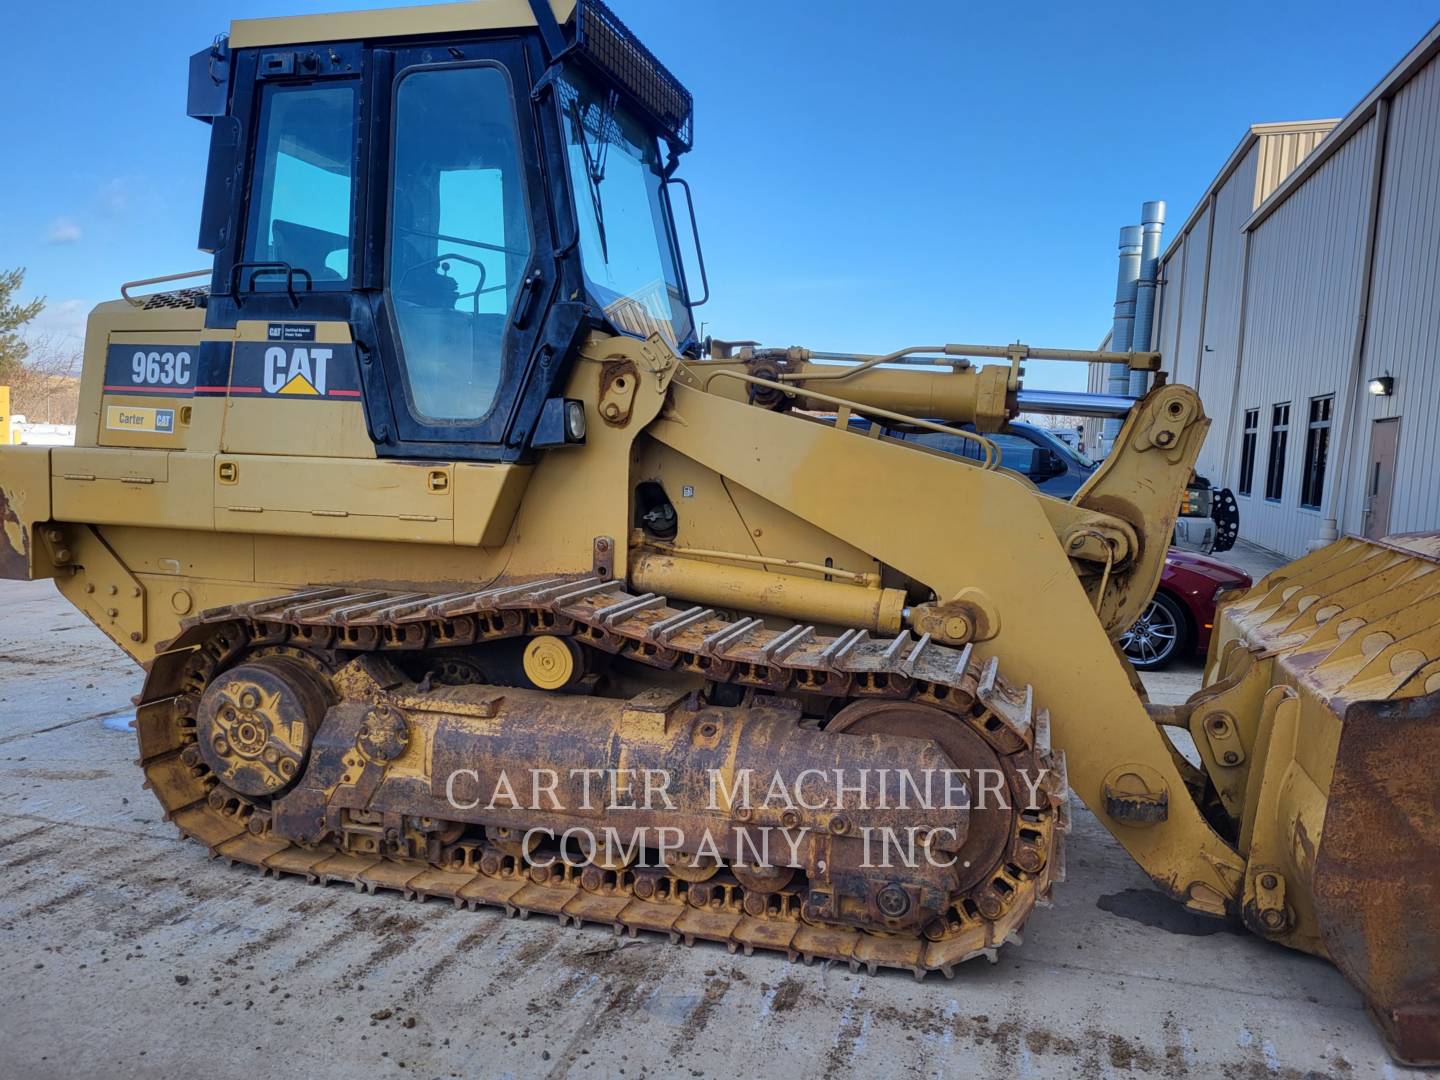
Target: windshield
<point x="1064" y="449"/>
<point x="626" y="244"/>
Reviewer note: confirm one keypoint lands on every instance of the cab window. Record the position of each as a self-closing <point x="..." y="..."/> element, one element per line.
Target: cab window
<point x="460" y="237"/>
<point x="303" y="188"/>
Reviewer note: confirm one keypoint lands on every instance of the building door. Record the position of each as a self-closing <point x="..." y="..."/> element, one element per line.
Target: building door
<point x="1380" y="477"/>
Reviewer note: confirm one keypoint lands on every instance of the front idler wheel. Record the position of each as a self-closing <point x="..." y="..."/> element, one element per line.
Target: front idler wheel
<point x="256" y="721"/>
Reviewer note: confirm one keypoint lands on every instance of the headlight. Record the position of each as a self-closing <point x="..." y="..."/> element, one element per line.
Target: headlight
<point x="1196" y="503"/>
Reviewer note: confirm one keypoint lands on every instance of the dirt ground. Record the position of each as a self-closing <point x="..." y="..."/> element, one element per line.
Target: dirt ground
<point x="126" y="952"/>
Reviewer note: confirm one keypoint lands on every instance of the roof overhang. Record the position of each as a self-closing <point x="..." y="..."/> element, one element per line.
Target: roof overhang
<point x="1424" y="51"/>
<point x="1237" y="156"/>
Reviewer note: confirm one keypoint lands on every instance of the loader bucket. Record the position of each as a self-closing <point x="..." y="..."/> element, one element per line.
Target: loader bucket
<point x="1320" y="729"/>
<point x="1377" y="879"/>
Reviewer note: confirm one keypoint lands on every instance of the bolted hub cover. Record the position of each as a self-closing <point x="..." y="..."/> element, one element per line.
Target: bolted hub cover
<point x="256" y="721"/>
<point x="552" y="663"/>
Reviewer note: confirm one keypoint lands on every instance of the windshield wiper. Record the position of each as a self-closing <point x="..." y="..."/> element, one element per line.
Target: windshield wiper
<point x="595" y="160"/>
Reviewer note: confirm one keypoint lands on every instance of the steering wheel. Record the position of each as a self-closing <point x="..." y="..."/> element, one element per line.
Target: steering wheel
<point x="474" y="294"/>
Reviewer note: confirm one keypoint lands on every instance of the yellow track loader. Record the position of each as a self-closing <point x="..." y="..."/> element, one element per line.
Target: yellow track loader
<point x="459" y="566"/>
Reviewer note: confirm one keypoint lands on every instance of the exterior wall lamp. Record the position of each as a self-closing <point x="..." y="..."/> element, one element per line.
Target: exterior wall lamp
<point x="1382" y="385"/>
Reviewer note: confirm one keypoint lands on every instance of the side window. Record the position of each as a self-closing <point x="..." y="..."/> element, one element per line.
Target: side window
<point x="950" y="444"/>
<point x="1016" y="454"/>
<point x="1247" y="450"/>
<point x="302" y="190"/>
<point x="460" y="237"/>
<point x="1317" y="451"/>
<point x="1279" y="443"/>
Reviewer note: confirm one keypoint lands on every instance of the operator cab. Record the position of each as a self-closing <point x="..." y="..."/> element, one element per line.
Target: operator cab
<point x="462" y="201"/>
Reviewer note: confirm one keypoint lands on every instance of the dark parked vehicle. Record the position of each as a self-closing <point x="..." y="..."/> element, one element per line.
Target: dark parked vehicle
<point x="1181" y="614"/>
<point x="1209" y="520"/>
<point x="1050" y="463"/>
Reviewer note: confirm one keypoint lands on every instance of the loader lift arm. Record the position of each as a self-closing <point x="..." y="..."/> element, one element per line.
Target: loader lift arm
<point x="1118" y="761"/>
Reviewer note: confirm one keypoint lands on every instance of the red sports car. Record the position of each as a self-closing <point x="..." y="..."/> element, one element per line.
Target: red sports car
<point x="1182" y="612"/>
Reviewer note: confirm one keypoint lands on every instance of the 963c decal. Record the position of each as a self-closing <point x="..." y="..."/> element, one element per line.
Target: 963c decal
<point x="151" y="369"/>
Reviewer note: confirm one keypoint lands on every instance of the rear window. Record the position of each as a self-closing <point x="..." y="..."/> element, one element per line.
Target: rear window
<point x="300" y="209"/>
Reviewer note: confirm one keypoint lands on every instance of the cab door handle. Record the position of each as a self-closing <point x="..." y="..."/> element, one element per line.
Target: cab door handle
<point x="529" y="290"/>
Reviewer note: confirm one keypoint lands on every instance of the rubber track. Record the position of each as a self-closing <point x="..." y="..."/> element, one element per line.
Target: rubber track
<point x="603" y="615"/>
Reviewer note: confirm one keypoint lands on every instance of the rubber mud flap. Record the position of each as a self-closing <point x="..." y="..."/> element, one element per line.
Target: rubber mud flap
<point x="1377" y="877"/>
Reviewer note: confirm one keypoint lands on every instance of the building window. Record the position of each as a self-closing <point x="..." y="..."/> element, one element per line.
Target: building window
<point x="1317" y="448"/>
<point x="1247" y="451"/>
<point x="1279" y="442"/>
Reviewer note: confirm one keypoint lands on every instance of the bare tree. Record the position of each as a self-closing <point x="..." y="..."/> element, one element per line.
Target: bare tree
<point x="45" y="389"/>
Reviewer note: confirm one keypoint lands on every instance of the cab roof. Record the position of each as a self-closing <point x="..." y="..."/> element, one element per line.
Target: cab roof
<point x="392" y="22"/>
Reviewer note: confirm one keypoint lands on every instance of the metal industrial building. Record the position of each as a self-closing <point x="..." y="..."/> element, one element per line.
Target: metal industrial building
<point x="1302" y="299"/>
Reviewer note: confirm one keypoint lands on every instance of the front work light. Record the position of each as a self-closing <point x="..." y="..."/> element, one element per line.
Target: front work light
<point x="562" y="423"/>
<point x="575" y="421"/>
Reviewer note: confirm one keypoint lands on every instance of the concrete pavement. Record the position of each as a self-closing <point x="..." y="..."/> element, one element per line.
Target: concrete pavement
<point x="128" y="953"/>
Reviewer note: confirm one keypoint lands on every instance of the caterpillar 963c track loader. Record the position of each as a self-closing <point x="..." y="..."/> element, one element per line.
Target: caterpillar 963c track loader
<point x="432" y="496"/>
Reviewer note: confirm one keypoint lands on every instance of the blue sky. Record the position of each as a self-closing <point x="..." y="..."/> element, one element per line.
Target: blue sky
<point x="866" y="175"/>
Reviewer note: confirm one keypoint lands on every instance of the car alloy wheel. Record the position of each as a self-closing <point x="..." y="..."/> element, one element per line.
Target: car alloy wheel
<point x="1154" y="639"/>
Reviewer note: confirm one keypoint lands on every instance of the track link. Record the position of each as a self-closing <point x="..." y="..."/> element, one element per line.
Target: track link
<point x="336" y="622"/>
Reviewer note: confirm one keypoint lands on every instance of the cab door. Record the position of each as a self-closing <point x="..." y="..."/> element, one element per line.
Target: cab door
<point x="468" y="353"/>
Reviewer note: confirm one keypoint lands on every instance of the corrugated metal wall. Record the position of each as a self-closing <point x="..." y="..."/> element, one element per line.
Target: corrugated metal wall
<point x="1280" y="152"/>
<point x="1216" y="382"/>
<point x="1301" y="304"/>
<point x="1200" y="327"/>
<point x="1169" y="299"/>
<point x="1291" y="278"/>
<point x="1185" y="362"/>
<point x="1403" y="329"/>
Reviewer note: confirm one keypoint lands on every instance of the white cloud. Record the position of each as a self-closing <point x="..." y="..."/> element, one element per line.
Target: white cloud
<point x="64" y="231"/>
<point x="114" y="197"/>
<point x="62" y="321"/>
